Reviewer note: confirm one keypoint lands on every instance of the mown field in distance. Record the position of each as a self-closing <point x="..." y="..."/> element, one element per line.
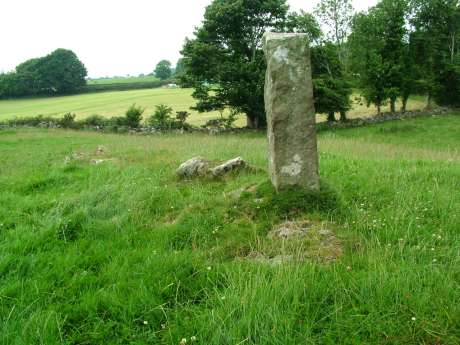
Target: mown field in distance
<point x="115" y="104"/>
<point x="121" y="80"/>
<point x="124" y="253"/>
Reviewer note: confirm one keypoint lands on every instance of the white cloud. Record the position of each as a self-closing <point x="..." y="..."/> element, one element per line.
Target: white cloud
<point x="112" y="37"/>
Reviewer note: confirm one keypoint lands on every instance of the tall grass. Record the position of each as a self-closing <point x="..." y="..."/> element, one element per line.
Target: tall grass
<point x="122" y="252"/>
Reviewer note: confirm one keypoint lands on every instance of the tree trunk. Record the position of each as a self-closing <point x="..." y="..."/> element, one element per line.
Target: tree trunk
<point x="404" y="104"/>
<point x="343" y="116"/>
<point x="379" y="111"/>
<point x="252" y="122"/>
<point x="429" y="101"/>
<point x="331" y="117"/>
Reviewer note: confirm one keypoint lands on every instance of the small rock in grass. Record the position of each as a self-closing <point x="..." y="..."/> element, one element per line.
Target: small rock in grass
<point x="289" y="230"/>
<point x="100" y="150"/>
<point x="198" y="166"/>
<point x="193" y="167"/>
<point x="228" y="166"/>
<point x="97" y="161"/>
<point x="325" y="233"/>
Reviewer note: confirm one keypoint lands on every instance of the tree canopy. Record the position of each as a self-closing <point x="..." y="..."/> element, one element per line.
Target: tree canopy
<point x="60" y="72"/>
<point x="163" y="70"/>
<point x="224" y="61"/>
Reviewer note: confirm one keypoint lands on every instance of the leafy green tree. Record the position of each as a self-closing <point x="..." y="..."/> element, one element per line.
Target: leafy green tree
<point x="337" y="16"/>
<point x="331" y="89"/>
<point x="304" y="22"/>
<point x="377" y="51"/>
<point x="180" y="68"/>
<point x="436" y="39"/>
<point x="61" y="72"/>
<point x="224" y="60"/>
<point x="163" y="70"/>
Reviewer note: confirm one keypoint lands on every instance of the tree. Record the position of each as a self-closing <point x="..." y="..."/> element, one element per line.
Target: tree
<point x="393" y="14"/>
<point x="224" y="60"/>
<point x="337" y="16"/>
<point x="436" y="39"/>
<point x="304" y="22"/>
<point x="377" y="51"/>
<point x="180" y="68"/>
<point x="331" y="89"/>
<point x="163" y="70"/>
<point x="60" y="72"/>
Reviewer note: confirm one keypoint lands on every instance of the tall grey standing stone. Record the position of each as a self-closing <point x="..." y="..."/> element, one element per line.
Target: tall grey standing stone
<point x="293" y="153"/>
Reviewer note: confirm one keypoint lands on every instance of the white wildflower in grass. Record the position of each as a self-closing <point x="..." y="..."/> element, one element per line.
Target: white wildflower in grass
<point x="413" y="319"/>
<point x="193" y="338"/>
<point x="432" y="249"/>
<point x="183" y="341"/>
<point x="208" y="268"/>
<point x="146" y="322"/>
<point x="163" y="326"/>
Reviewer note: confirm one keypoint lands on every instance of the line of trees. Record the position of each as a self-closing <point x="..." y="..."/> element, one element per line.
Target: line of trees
<point x="393" y="50"/>
<point x="404" y="47"/>
<point x="58" y="73"/>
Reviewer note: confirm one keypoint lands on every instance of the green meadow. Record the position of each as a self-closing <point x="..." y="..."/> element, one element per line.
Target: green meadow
<point x="122" y="80"/>
<point x="122" y="252"/>
<point x="115" y="103"/>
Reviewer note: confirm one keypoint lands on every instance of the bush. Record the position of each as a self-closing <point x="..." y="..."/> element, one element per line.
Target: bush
<point x="95" y="121"/>
<point x="134" y="116"/>
<point x="161" y="117"/>
<point x="181" y="117"/>
<point x="68" y="121"/>
<point x="33" y="121"/>
<point x="222" y="122"/>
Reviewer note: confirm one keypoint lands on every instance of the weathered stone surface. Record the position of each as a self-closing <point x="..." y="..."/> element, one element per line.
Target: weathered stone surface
<point x="228" y="166"/>
<point x="193" y="167"/>
<point x="199" y="166"/>
<point x="288" y="230"/>
<point x="293" y="156"/>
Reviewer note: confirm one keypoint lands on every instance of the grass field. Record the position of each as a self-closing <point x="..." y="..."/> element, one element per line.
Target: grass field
<point x="122" y="80"/>
<point x="124" y="253"/>
<point x="115" y="104"/>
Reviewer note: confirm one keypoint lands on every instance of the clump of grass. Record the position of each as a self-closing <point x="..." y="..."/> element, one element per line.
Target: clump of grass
<point x="292" y="202"/>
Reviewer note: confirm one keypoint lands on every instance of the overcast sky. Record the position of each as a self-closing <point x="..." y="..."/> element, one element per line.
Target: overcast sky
<point x="111" y="37"/>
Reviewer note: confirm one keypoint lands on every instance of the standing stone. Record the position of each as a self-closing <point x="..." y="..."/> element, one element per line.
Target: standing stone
<point x="291" y="119"/>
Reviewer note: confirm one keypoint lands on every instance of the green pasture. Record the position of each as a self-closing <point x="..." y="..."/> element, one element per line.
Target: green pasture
<point x="122" y="80"/>
<point x="116" y="103"/>
<point x="122" y="252"/>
